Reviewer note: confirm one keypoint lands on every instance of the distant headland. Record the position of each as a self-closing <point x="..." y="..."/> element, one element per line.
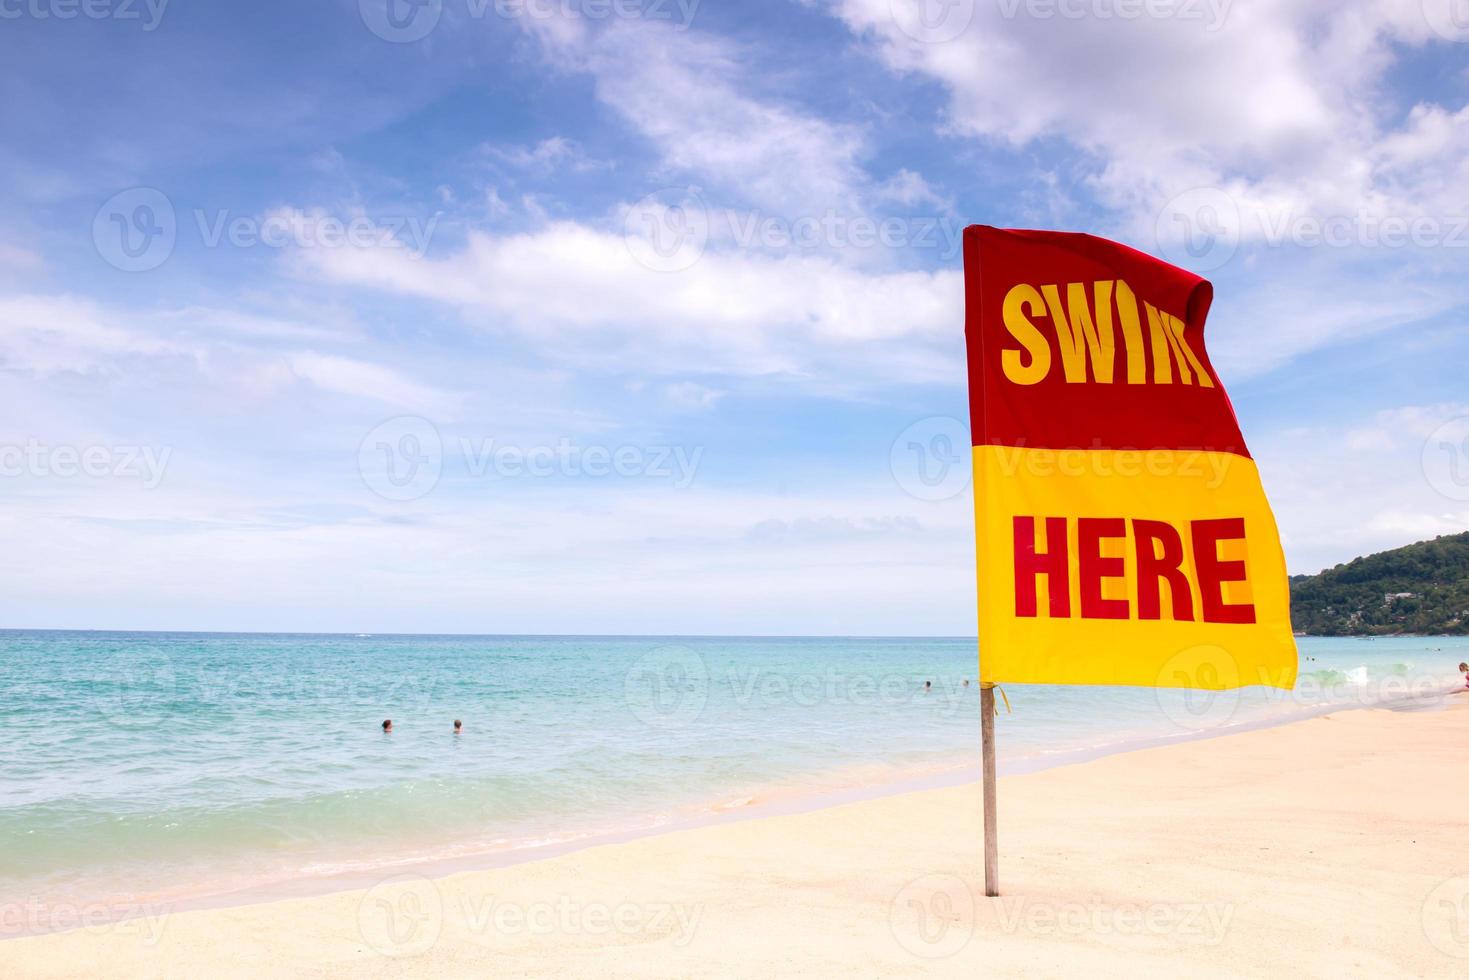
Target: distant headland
<point x="1420" y="589"/>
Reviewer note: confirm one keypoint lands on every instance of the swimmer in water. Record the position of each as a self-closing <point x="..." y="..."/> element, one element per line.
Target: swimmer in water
<point x="387" y="726"/>
<point x="458" y="726"/>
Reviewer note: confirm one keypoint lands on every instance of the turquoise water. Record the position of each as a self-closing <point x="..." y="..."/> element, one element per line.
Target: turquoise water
<point x="150" y="766"/>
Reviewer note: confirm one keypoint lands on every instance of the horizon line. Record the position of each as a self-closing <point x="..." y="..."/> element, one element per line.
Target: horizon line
<point x="603" y="636"/>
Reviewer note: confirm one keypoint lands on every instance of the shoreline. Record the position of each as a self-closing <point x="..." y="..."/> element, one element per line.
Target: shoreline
<point x="774" y="801"/>
<point x="1244" y="855"/>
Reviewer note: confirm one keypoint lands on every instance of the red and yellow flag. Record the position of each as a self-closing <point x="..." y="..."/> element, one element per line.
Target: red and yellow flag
<point x="1123" y="534"/>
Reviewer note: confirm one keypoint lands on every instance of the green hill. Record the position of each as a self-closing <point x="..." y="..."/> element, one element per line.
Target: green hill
<point x="1420" y="588"/>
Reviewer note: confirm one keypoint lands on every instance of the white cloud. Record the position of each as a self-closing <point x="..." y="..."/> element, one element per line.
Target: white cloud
<point x="731" y="312"/>
<point x="547" y="156"/>
<point x="206" y="322"/>
<point x="1279" y="102"/>
<point x="642" y="560"/>
<point x="692" y="97"/>
<point x="360" y="379"/>
<point x="1257" y="325"/>
<point x="1109" y="83"/>
<point x="908" y="188"/>
<point x="1407" y="526"/>
<point x="1281" y="110"/>
<point x="20" y="259"/>
<point x="1367" y="485"/>
<point x="44" y="335"/>
<point x="1394" y="428"/>
<point x="1279" y="86"/>
<point x="691" y="395"/>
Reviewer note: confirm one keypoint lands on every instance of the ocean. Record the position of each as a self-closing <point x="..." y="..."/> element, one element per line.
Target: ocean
<point x="159" y="770"/>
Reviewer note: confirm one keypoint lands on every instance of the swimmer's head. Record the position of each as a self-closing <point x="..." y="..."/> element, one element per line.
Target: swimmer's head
<point x="387" y="724"/>
<point x="458" y="724"/>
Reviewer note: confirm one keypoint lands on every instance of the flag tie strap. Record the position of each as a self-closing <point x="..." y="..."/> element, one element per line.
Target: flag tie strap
<point x="1004" y="696"/>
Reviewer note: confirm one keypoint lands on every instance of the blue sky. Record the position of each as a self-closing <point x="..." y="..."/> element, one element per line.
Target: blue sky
<point x="583" y="316"/>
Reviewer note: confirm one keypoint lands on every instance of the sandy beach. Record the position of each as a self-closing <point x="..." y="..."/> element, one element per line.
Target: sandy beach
<point x="1326" y="847"/>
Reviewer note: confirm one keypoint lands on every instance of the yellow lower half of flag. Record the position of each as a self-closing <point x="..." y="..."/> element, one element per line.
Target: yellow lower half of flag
<point x="1155" y="568"/>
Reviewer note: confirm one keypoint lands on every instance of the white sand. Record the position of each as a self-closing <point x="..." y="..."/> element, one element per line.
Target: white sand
<point x="1331" y="847"/>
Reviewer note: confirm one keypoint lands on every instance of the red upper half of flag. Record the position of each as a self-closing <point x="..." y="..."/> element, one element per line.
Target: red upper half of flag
<point x="1076" y="342"/>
